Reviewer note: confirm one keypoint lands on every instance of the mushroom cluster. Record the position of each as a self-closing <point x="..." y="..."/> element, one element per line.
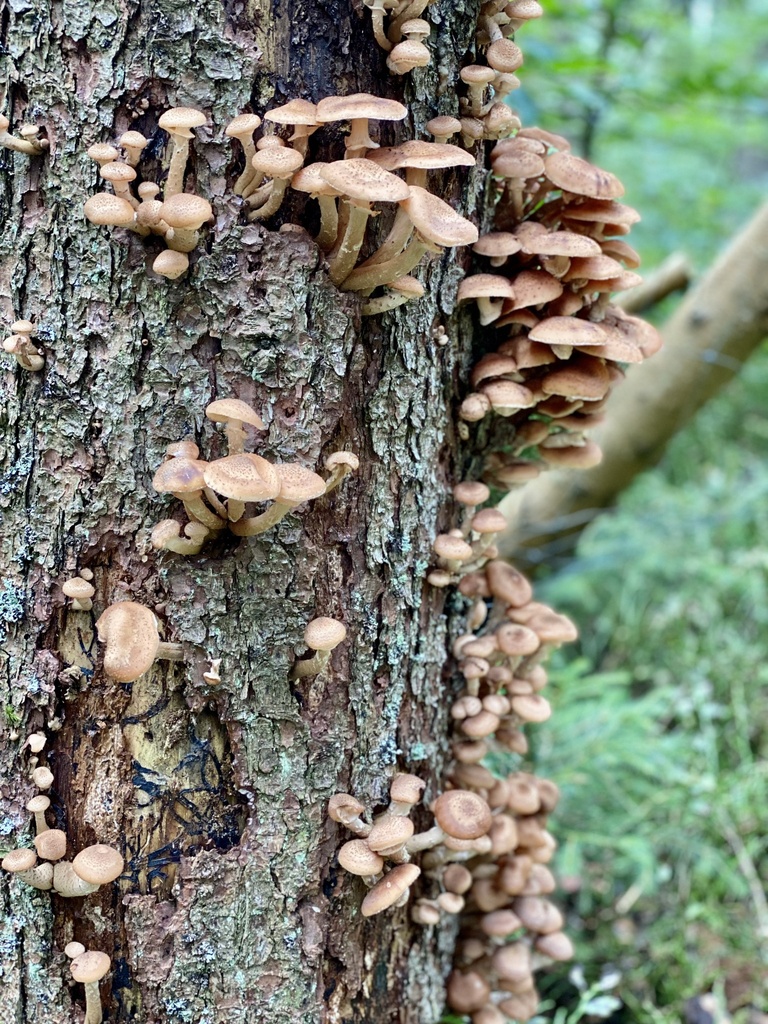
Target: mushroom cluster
<point x="91" y="868"/>
<point x="20" y="345"/>
<point x="551" y="271"/>
<point x="403" y="36"/>
<point x="30" y="142"/>
<point x="347" y="189"/>
<point x="177" y="217"/>
<point x="215" y="494"/>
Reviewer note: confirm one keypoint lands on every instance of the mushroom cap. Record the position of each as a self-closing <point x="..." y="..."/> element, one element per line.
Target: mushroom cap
<point x="389" y="889"/>
<point x="560" y="243"/>
<point x="534" y="288"/>
<point x="310" y="179"/>
<point x="584" y="377"/>
<point x="471" y="492"/>
<point x="594" y="268"/>
<point x="42" y="777"/>
<point x="324" y="634"/>
<point x="178" y="121"/>
<point x="390" y="832"/>
<point x="73" y="949"/>
<point x="358" y="858"/>
<point x="516" y="640"/>
<point x="477" y="74"/>
<point x="513" y="961"/>
<point x="105" y="208"/>
<point x="342" y="458"/>
<point x="180" y="476"/>
<point x="77" y="588"/>
<point x="537" y="914"/>
<point x="443" y="125"/>
<point x="524" y="10"/>
<point x="517" y="163"/>
<point x="568" y="330"/>
<point x="507" y="394"/>
<point x="98" y="864"/>
<point x="294" y="112"/>
<point x="343" y="807"/>
<point x="298" y="484"/>
<point x="117" y="171"/>
<point x="242" y="125"/>
<point x="277" y="161"/>
<point x="22" y="327"/>
<point x="365" y="181"/>
<point x="170" y="264"/>
<point x="407" y="55"/>
<point x="186" y="210"/>
<point x="130" y="632"/>
<point x="19" y="860"/>
<point x="572" y="174"/>
<point x="462" y="814"/>
<point x="505" y="56"/>
<point x="244" y="477"/>
<point x="38" y="804"/>
<point x="133" y="140"/>
<point x="416" y="27"/>
<point x="185" y="449"/>
<point x="102" y="152"/>
<point x="90" y="966"/>
<point x="467" y="992"/>
<point x="555" y="945"/>
<point x="407" y="285"/>
<point x="602" y="211"/>
<point x="497" y="244"/>
<point x="488" y="520"/>
<point x="225" y="409"/>
<point x="436" y="221"/>
<point x="51" y="844"/>
<point x="485" y="286"/>
<point x="406" y="788"/>
<point x="447" y="546"/>
<point x="424" y="155"/>
<point x="359" y="105"/>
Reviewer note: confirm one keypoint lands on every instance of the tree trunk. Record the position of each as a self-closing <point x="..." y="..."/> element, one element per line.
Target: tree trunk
<point x="230" y="908"/>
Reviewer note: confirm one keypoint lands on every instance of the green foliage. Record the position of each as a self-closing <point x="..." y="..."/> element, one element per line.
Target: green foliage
<point x="672" y="97"/>
<point x="660" y="733"/>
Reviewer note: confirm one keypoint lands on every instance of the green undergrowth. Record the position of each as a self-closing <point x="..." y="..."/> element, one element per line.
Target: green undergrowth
<point x="660" y="732"/>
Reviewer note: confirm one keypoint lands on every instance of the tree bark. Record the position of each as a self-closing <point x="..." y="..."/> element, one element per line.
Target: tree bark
<point x="231" y="908"/>
<point x="706" y="340"/>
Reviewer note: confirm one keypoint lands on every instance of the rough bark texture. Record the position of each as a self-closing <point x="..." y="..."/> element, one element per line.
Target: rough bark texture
<point x="230" y="908"/>
<point x="712" y="332"/>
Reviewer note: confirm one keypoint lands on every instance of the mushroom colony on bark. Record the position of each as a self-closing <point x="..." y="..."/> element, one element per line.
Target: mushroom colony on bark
<point x="543" y="277"/>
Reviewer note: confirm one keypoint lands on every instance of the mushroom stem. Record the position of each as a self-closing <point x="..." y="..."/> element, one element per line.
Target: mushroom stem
<point x="273" y="203"/>
<point x="8" y="141"/>
<point x="329" y="222"/>
<point x="182" y="239"/>
<point x="413" y="10"/>
<point x="196" y="509"/>
<point x="235" y="509"/>
<point x="248" y="173"/>
<point x="261" y="523"/>
<point x="425" y="840"/>
<point x="219" y="506"/>
<point x="93" y="1007"/>
<point x="175" y="181"/>
<point x="311" y="666"/>
<point x="383" y="303"/>
<point x="169" y="652"/>
<point x="397" y="239"/>
<point x="365" y="279"/>
<point x="343" y="262"/>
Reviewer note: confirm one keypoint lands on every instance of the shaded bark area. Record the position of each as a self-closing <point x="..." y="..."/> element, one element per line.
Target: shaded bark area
<point x="230" y="908"/>
<point x="713" y="331"/>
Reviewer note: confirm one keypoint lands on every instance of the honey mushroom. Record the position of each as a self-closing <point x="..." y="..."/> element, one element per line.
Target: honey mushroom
<point x="242" y="128"/>
<point x="29" y="144"/>
<point x="89" y="968"/>
<point x="129" y="631"/>
<point x="23" y="864"/>
<point x="301" y="115"/>
<point x="178" y="122"/>
<point x="93" y="867"/>
<point x="297" y="485"/>
<point x="20" y="345"/>
<point x="322" y="635"/>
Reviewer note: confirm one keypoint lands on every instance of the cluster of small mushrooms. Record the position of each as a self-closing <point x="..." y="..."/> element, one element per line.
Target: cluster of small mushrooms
<point x="28" y="140"/>
<point x="215" y="494"/>
<point x="20" y="344"/>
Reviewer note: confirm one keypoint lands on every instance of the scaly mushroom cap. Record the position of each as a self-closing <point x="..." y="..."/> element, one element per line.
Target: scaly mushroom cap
<point x="497" y="244"/>
<point x="103" y="153"/>
<point x="133" y="140"/>
<point x="224" y="410"/>
<point x="186" y="210"/>
<point x="443" y="126"/>
<point x="424" y="155"/>
<point x="568" y="330"/>
<point x="242" y="125"/>
<point x="462" y="814"/>
<point x="38" y="804"/>
<point x="324" y="634"/>
<point x="19" y="860"/>
<point x="90" y="966"/>
<point x="294" y="112"/>
<point x="51" y="844"/>
<point x="602" y="211"/>
<point x="485" y="286"/>
<point x="572" y="174"/>
<point x="98" y="864"/>
<point x="180" y="476"/>
<point x="364" y="181"/>
<point x="298" y="484"/>
<point x="407" y="55"/>
<point x="343" y="808"/>
<point x="389" y="889"/>
<point x="561" y="243"/>
<point x="130" y="632"/>
<point x="505" y="56"/>
<point x="538" y="915"/>
<point x="179" y="120"/>
<point x="584" y="377"/>
<point x="277" y="161"/>
<point x="78" y="588"/>
<point x="436" y="221"/>
<point x="471" y="492"/>
<point x="105" y="208"/>
<point x="359" y="105"/>
<point x="117" y="171"/>
<point x="390" y="832"/>
<point x="171" y="264"/>
<point x="452" y="548"/>
<point x="310" y="179"/>
<point x="357" y="858"/>
<point x="244" y="477"/>
<point x="488" y="520"/>
<point x="534" y="288"/>
<point x="406" y="788"/>
<point x="343" y="458"/>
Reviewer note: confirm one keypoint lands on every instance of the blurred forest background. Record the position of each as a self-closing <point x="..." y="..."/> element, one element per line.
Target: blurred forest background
<point x="660" y="736"/>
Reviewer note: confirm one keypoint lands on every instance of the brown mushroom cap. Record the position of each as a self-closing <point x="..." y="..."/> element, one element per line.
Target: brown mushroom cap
<point x="467" y="992"/>
<point x="534" y="288"/>
<point x="406" y="788"/>
<point x="186" y="210"/>
<point x="278" y="161"/>
<point x="171" y="264"/>
<point x="363" y="180"/>
<point x="244" y="477"/>
<point x="452" y="548"/>
<point x="343" y="458"/>
<point x="105" y="208"/>
<point x="359" y="105"/>
<point x="179" y="120"/>
<point x="90" y="966"/>
<point x="342" y="808"/>
<point x="224" y="410"/>
<point x="19" y="860"/>
<point x="498" y="244"/>
<point x="462" y="814"/>
<point x="359" y="859"/>
<point x="572" y="174"/>
<point x="324" y="634"/>
<point x="389" y="889"/>
<point x="436" y="221"/>
<point x="485" y="286"/>
<point x="390" y="832"/>
<point x="443" y="126"/>
<point x="243" y="125"/>
<point x="130" y="632"/>
<point x="296" y="111"/>
<point x="77" y="588"/>
<point x="180" y="476"/>
<point x="584" y="377"/>
<point x="117" y="171"/>
<point x="504" y="55"/>
<point x="424" y="155"/>
<point x="488" y="520"/>
<point x="538" y="915"/>
<point x="102" y="153"/>
<point x="568" y="330"/>
<point x="98" y="864"/>
<point x="471" y="492"/>
<point x="310" y="179"/>
<point x="51" y="844"/>
<point x="298" y="484"/>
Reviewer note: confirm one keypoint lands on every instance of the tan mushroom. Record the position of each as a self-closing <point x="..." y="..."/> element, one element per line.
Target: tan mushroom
<point x="392" y="890"/>
<point x="297" y="485"/>
<point x="129" y="631"/>
<point x="359" y="108"/>
<point x="301" y="115"/>
<point x="322" y="635"/>
<point x="177" y="122"/>
<point x="241" y="478"/>
<point x="242" y="128"/>
<point x="234" y="414"/>
<point x="89" y="968"/>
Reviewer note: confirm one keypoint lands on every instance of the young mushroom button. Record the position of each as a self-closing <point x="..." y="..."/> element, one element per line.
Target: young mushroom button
<point x="185" y="214"/>
<point x="184" y="479"/>
<point x="322" y="635"/>
<point x="234" y="414"/>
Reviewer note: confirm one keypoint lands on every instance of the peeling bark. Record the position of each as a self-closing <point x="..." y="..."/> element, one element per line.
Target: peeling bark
<point x="230" y="908"/>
